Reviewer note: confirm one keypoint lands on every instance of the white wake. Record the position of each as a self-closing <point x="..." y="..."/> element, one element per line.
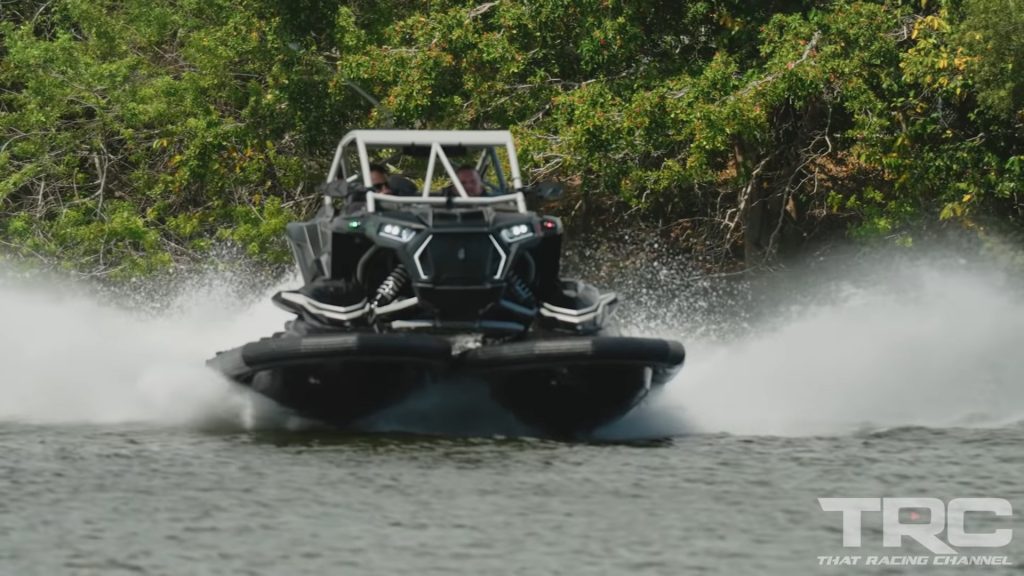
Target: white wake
<point x="72" y="358"/>
<point x="929" y="346"/>
<point x="925" y="346"/>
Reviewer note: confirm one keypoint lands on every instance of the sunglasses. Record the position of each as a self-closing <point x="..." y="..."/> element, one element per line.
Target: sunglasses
<point x="379" y="187"/>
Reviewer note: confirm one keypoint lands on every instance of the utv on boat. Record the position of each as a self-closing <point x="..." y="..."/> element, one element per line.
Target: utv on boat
<point x="428" y="282"/>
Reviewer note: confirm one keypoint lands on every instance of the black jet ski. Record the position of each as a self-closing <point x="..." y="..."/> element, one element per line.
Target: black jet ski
<point x="403" y="290"/>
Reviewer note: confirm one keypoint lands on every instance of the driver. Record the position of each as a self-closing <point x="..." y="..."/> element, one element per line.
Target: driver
<point x="470" y="179"/>
<point x="379" y="179"/>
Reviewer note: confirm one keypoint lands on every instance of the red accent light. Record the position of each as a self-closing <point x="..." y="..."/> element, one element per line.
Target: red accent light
<point x="549" y="224"/>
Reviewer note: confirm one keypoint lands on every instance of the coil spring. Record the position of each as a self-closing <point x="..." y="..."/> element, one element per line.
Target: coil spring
<point x="521" y="290"/>
<point x="391" y="286"/>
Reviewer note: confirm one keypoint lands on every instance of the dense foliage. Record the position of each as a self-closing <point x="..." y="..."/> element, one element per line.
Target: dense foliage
<point x="134" y="134"/>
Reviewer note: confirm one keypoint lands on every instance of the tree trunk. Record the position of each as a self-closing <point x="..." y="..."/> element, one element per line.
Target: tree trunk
<point x="753" y="212"/>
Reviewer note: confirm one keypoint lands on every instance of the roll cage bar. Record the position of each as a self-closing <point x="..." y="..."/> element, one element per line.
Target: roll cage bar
<point x="436" y="144"/>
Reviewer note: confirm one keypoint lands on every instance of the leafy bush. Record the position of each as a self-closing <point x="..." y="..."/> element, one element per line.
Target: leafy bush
<point x="133" y="135"/>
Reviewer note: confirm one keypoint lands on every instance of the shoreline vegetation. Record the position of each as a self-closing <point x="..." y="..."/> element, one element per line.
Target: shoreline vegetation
<point x="134" y="136"/>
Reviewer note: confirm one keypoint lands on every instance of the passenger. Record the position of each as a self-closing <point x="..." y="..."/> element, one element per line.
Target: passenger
<point x="470" y="179"/>
<point x="379" y="179"/>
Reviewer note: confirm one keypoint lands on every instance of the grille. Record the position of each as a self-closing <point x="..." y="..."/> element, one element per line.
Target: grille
<point x="461" y="259"/>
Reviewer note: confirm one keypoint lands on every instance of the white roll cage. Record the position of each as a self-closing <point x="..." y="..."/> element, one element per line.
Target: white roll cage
<point x="488" y="141"/>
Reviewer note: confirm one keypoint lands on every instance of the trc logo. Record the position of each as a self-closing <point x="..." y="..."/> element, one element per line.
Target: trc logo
<point x="939" y="517"/>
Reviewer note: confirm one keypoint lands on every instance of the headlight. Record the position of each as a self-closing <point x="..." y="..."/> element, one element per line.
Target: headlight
<point x="516" y="233"/>
<point x="396" y="232"/>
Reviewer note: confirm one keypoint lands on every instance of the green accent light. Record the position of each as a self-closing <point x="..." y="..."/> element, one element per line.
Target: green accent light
<point x="353" y="224"/>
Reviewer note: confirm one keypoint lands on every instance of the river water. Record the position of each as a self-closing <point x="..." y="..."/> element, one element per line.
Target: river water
<point x="121" y="454"/>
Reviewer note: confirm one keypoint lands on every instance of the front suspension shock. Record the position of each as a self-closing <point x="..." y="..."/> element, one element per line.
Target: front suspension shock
<point x="391" y="286"/>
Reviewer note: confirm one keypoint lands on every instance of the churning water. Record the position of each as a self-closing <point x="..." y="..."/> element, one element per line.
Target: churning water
<point x="123" y="453"/>
<point x="927" y="346"/>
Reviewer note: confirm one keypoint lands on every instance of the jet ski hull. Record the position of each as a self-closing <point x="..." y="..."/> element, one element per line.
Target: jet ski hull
<point x="571" y="385"/>
<point x="335" y="378"/>
<point x="560" y="386"/>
